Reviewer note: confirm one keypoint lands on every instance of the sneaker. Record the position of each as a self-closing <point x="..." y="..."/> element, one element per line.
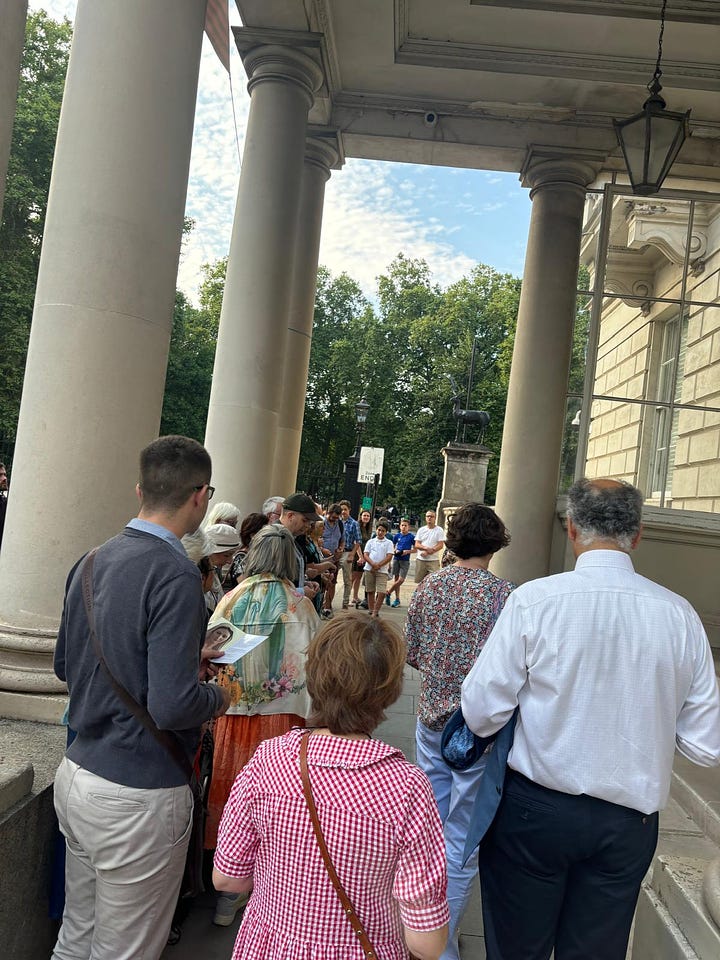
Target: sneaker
<point x="327" y="614"/>
<point x="395" y="603"/>
<point x="387" y="599"/>
<point x="363" y="605"/>
<point x="227" y="905"/>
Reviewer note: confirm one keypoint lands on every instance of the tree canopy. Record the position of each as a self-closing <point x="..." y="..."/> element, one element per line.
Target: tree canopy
<point x="40" y="91"/>
<point x="398" y="355"/>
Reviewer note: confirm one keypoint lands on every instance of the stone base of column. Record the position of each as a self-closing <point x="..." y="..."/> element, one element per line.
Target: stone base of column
<point x="464" y="478"/>
<point x="38" y="707"/>
<point x="29" y="689"/>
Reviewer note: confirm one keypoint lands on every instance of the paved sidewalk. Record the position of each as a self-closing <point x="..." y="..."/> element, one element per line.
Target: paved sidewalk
<point x="201" y="939"/>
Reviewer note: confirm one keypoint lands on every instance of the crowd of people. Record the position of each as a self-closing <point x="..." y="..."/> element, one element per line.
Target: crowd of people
<point x="577" y="688"/>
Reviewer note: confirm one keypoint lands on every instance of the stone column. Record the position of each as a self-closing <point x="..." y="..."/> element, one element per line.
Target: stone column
<point x="321" y="154"/>
<point x="532" y="435"/>
<point x="98" y="348"/>
<point x="249" y="363"/>
<point x="13" y="14"/>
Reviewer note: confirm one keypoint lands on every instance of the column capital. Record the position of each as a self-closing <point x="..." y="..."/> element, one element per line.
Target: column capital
<point x="546" y="167"/>
<point x="323" y="149"/>
<point x="284" y="55"/>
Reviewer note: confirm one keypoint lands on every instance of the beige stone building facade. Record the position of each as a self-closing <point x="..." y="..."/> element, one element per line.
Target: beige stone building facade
<point x="654" y="267"/>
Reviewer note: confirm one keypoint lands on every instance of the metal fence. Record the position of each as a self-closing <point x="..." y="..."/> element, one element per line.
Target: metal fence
<point x="324" y="484"/>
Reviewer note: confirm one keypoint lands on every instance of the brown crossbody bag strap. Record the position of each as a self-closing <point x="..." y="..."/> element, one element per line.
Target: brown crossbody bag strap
<point x="166" y="739"/>
<point x="353" y="918"/>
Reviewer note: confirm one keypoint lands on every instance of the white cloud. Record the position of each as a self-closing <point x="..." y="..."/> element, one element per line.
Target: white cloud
<point x="373" y="210"/>
<point x="362" y="233"/>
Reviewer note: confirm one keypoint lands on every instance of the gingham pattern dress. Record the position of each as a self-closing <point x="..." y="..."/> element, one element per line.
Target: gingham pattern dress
<point x="383" y="832"/>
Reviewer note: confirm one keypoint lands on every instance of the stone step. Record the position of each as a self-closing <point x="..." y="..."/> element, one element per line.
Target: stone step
<point x="697" y="790"/>
<point x="673" y="919"/>
<point x="678" y="883"/>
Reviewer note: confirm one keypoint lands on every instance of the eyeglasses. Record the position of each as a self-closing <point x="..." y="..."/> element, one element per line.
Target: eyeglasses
<point x="210" y="490"/>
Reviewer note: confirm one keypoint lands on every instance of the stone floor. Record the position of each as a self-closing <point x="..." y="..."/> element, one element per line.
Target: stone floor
<point x="201" y="938"/>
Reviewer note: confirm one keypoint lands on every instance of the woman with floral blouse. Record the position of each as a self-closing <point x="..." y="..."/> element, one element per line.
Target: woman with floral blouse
<point x="449" y="619"/>
<point x="268" y="691"/>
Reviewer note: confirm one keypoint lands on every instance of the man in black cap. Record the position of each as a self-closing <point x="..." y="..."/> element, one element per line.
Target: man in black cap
<point x="298" y="515"/>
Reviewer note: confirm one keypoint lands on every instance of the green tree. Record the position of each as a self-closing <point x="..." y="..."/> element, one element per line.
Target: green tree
<point x="400" y="356"/>
<point x="192" y="355"/>
<point x="42" y="79"/>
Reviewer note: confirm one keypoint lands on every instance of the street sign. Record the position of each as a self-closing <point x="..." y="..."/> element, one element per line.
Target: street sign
<point x="371" y="462"/>
<point x="366" y="503"/>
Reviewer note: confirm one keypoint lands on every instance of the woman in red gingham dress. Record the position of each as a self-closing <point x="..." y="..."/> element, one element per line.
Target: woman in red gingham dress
<point x="377" y="813"/>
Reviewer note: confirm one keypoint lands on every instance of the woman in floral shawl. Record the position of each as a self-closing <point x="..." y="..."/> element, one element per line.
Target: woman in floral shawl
<point x="268" y="695"/>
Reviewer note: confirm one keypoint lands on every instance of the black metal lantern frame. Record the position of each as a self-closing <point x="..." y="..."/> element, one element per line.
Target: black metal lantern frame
<point x="651" y="140"/>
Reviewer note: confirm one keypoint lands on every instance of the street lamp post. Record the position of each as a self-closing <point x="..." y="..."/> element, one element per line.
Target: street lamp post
<point x="351" y="487"/>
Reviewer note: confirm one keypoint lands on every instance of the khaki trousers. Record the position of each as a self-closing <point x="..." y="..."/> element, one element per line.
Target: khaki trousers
<point x="126" y="852"/>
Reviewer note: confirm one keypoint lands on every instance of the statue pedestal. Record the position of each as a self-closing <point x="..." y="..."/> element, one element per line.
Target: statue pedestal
<point x="464" y="477"/>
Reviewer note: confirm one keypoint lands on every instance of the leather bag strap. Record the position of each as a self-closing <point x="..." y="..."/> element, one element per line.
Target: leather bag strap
<point x="164" y="738"/>
<point x="353" y="918"/>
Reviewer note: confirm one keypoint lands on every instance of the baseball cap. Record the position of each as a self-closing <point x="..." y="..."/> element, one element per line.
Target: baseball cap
<point x="301" y="503"/>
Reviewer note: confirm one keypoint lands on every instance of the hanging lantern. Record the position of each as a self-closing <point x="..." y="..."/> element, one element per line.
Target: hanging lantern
<point x="651" y="140"/>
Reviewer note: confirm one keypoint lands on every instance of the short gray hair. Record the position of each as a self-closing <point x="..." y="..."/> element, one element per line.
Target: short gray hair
<point x="272" y="550"/>
<point x="605" y="512"/>
<point x="269" y="505"/>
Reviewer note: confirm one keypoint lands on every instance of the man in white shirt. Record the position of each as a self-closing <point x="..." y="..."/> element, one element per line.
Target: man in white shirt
<point x="610" y="672"/>
<point x="429" y="541"/>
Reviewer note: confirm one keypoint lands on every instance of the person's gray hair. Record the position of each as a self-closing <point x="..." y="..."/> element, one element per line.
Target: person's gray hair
<point x="272" y="550"/>
<point x="222" y="512"/>
<point x="602" y="512"/>
<point x="197" y="545"/>
<point x="269" y="505"/>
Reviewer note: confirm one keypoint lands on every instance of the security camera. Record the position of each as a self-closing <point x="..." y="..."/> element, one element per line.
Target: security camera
<point x="430" y="119"/>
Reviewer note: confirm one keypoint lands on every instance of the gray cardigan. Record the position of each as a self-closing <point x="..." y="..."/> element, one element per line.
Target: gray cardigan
<point x="150" y="618"/>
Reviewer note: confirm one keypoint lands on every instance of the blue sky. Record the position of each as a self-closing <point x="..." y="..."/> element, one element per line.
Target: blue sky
<point x="451" y="218"/>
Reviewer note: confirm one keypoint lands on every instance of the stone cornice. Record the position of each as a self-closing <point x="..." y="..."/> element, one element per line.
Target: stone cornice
<point x="682" y="11"/>
<point x="497" y="58"/>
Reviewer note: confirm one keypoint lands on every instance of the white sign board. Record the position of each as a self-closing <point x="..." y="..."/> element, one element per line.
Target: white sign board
<point x="371" y="462"/>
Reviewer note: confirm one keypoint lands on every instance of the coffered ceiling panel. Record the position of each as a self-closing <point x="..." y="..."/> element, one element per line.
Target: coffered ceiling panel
<point x="498" y="77"/>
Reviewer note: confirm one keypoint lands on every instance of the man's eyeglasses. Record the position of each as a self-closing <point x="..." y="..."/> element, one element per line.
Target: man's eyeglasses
<point x="210" y="490"/>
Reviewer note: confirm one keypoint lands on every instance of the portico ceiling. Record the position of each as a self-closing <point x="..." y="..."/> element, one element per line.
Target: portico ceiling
<point x="501" y="77"/>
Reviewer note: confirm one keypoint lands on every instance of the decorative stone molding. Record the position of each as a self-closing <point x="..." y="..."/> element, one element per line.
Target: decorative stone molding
<point x="633" y="291"/>
<point x="499" y="58"/>
<point x="682" y="11"/>
<point x="664" y="226"/>
<point x="26" y="661"/>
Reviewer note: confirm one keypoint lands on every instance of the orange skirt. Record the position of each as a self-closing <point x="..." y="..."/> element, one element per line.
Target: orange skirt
<point x="236" y="739"/>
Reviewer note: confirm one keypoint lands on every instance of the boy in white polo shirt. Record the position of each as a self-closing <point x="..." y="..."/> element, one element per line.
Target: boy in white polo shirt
<point x="378" y="553"/>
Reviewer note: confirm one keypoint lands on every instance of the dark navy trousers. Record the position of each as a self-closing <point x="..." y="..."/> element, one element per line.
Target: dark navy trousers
<point x="561" y="872"/>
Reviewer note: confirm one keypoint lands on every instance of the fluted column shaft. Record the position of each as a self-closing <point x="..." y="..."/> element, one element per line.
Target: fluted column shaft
<point x="320" y="155"/>
<point x="247" y="382"/>
<point x="534" y="416"/>
<point x="13" y="14"/>
<point x="97" y="356"/>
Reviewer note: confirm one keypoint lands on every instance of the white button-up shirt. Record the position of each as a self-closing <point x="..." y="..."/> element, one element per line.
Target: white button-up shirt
<point x="611" y="671"/>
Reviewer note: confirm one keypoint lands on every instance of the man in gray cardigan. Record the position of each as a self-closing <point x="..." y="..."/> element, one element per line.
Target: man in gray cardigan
<point x="123" y="802"/>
